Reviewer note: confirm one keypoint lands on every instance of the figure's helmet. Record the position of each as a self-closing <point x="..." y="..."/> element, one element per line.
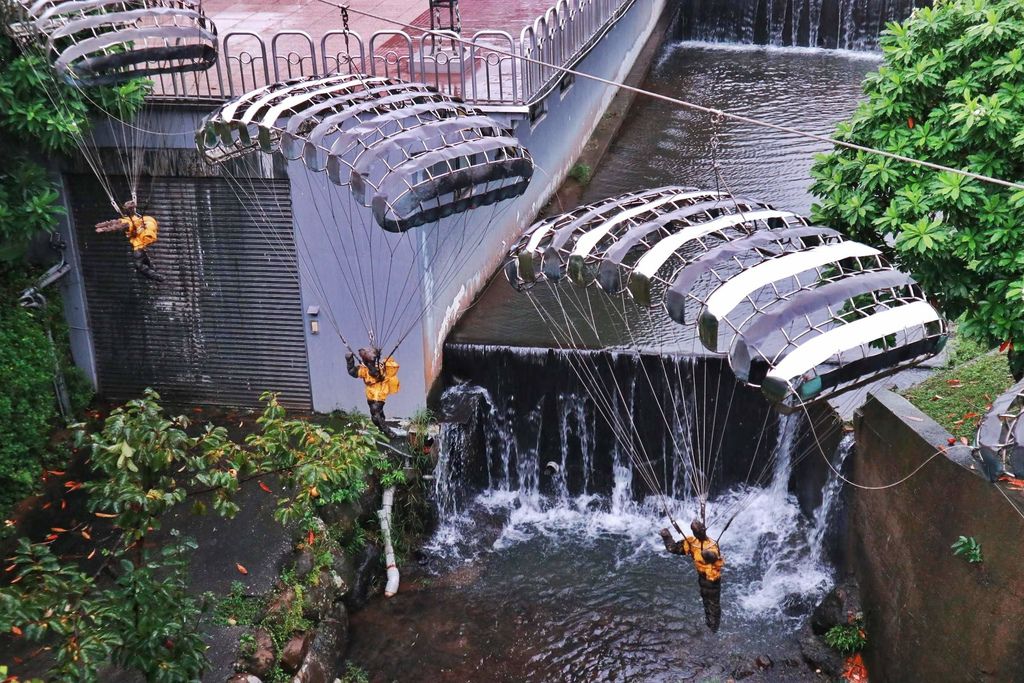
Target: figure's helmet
<point x="699" y="530"/>
<point x="130" y="207"/>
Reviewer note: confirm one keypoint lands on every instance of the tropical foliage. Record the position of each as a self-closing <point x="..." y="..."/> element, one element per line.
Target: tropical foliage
<point x="950" y="91"/>
<point x="124" y="599"/>
<point x="40" y="115"/>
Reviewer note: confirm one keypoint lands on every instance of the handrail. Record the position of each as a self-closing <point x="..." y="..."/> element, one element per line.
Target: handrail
<point x="561" y="35"/>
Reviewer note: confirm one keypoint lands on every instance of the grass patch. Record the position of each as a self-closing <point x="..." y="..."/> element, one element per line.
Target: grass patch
<point x="958" y="396"/>
<point x="581" y="173"/>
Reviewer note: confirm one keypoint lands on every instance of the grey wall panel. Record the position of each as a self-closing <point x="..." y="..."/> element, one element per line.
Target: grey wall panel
<point x="226" y="324"/>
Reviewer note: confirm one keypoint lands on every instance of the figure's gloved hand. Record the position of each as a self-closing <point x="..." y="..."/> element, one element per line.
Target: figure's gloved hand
<point x="349" y="355"/>
<point x="665" y="533"/>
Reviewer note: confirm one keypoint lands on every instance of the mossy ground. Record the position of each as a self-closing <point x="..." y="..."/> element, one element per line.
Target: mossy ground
<point x="957" y="396"/>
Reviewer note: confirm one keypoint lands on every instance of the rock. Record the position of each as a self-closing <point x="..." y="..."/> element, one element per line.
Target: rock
<point x="303" y="564"/>
<point x="295" y="651"/>
<point x="342" y="518"/>
<point x="818" y="654"/>
<point x="836" y="607"/>
<point x="244" y="678"/>
<point x="282" y="604"/>
<point x="367" y="567"/>
<point x="763" y="662"/>
<point x="323" y="660"/>
<point x="263" y="657"/>
<point x="345" y="569"/>
<point x="320" y="596"/>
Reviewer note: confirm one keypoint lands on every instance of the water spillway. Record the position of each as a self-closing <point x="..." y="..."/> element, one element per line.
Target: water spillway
<point x="833" y="24"/>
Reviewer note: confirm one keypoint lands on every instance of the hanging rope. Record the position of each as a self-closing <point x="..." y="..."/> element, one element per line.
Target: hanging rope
<point x="697" y="107"/>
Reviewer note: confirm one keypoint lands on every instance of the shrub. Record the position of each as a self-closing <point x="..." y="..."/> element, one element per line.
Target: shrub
<point x="950" y="91"/>
<point x="26" y="403"/>
<point x="846" y="638"/>
<point x="581" y="173"/>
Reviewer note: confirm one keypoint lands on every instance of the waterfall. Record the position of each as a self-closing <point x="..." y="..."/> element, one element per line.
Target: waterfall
<point x="833" y="24"/>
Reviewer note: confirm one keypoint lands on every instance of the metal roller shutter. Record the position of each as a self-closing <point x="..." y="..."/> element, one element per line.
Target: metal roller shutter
<point x="226" y="324"/>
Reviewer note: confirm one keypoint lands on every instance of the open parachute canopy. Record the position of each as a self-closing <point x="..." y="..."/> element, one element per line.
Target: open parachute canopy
<point x="411" y="153"/>
<point x="1000" y="438"/>
<point x="102" y="42"/>
<point x="800" y="311"/>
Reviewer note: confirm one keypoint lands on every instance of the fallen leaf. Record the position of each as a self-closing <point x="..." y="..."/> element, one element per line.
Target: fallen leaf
<point x="953" y="382"/>
<point x="936" y="397"/>
<point x="951" y="440"/>
<point x="63" y="504"/>
<point x="310" y="537"/>
<point x="46" y="506"/>
<point x="91" y="555"/>
<point x="85" y="535"/>
<point x="265" y="487"/>
<point x="56" y="473"/>
<point x="105" y="515"/>
<point x="241" y="569"/>
<point x="971" y="415"/>
<point x="16" y="631"/>
<point x="57" y="530"/>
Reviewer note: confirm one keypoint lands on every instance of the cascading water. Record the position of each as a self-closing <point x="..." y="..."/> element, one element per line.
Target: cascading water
<point x="834" y="24"/>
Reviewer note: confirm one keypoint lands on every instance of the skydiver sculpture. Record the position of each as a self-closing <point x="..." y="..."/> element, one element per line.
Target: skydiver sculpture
<point x="381" y="380"/>
<point x="707" y="560"/>
<point x="141" y="232"/>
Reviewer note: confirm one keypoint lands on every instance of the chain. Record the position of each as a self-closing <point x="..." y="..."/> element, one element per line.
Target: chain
<point x="344" y="19"/>
<point x="716" y="142"/>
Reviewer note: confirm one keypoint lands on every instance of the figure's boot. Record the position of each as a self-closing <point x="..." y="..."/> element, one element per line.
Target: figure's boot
<point x="144" y="267"/>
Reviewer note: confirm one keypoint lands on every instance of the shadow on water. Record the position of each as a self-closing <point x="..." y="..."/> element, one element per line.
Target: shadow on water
<point x="530" y="578"/>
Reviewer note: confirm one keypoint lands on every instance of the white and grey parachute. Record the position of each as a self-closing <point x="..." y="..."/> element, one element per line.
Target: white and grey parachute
<point x="103" y="42"/>
<point x="1000" y="436"/>
<point x="800" y="311"/>
<point x="411" y="153"/>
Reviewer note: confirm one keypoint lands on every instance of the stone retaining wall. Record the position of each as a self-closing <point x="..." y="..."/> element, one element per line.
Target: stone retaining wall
<point x="930" y="615"/>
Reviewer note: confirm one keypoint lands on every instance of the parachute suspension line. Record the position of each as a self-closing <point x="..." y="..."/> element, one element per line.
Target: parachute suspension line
<point x="611" y="415"/>
<point x="643" y="465"/>
<point x="694" y="106"/>
<point x="694" y="474"/>
<point x="277" y="244"/>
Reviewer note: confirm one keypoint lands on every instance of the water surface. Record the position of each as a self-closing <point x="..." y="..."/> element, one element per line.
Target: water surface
<point x="661" y="144"/>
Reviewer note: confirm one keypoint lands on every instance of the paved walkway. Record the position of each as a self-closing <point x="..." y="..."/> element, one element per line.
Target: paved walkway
<point x="266" y="17"/>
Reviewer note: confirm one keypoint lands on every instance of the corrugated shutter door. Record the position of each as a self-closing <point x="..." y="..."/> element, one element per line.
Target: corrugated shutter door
<point x="227" y="322"/>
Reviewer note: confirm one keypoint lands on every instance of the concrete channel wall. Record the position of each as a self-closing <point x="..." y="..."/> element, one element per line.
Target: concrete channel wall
<point x="555" y="128"/>
<point x="931" y="615"/>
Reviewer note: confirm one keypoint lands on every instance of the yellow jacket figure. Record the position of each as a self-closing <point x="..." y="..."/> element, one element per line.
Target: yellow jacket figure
<point x="141" y="232"/>
<point x="707" y="560"/>
<point x="381" y="380"/>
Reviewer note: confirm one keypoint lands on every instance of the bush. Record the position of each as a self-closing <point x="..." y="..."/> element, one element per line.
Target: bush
<point x="846" y="638"/>
<point x="950" y="91"/>
<point x="26" y="403"/>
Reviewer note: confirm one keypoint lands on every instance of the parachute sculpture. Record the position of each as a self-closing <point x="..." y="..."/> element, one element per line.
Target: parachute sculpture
<point x="411" y="153"/>
<point x="102" y="42"/>
<point x="800" y="311"/>
<point x="1000" y="438"/>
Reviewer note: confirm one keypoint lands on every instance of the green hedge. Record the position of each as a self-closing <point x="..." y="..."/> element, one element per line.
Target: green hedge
<point x="27" y="406"/>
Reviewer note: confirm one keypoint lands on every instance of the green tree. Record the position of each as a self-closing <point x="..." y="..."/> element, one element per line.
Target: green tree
<point x="134" y="609"/>
<point x="40" y="116"/>
<point x="950" y="91"/>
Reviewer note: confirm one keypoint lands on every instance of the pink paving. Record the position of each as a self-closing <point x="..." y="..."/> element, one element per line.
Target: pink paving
<point x="266" y="17"/>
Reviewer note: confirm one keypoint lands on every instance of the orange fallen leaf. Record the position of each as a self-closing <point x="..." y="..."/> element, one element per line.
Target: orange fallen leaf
<point x="85" y="535"/>
<point x="310" y="537"/>
<point x="241" y="569"/>
<point x="10" y="568"/>
<point x="56" y="473"/>
<point x="57" y="530"/>
<point x="105" y="515"/>
<point x="91" y="554"/>
<point x="63" y="504"/>
<point x="16" y="631"/>
<point x="951" y="440"/>
<point x="971" y="415"/>
<point x="51" y="537"/>
<point x="265" y="487"/>
<point x="953" y="382"/>
<point x="46" y="505"/>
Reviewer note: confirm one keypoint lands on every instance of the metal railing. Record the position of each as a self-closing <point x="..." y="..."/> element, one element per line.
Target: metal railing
<point x="480" y="73"/>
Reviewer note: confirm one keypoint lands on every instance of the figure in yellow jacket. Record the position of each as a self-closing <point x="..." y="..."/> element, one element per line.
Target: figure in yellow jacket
<point x="707" y="559"/>
<point x="381" y="380"/>
<point x="141" y="232"/>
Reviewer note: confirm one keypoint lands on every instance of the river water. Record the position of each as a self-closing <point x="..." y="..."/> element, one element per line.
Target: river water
<point x="528" y="580"/>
